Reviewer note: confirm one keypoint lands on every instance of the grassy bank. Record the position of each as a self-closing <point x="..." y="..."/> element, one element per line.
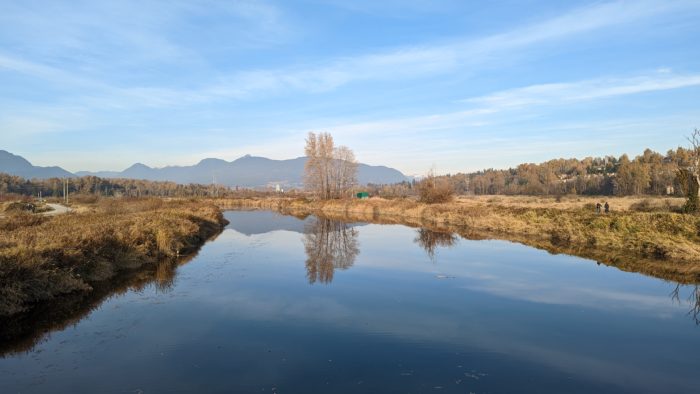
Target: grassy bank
<point x="644" y="236"/>
<point x="20" y="332"/>
<point x="45" y="257"/>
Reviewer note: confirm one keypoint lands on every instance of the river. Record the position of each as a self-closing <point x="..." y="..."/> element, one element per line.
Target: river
<point x="277" y="304"/>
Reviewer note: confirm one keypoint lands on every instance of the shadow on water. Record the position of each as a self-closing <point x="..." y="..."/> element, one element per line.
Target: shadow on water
<point x="21" y="332"/>
<point x="329" y="245"/>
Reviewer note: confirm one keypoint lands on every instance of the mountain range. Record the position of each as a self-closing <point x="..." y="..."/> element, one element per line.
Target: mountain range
<point x="19" y="166"/>
<point x="247" y="171"/>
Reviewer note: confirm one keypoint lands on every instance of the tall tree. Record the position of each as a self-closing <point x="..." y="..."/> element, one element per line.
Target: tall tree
<point x="330" y="172"/>
<point x="344" y="170"/>
<point x="690" y="175"/>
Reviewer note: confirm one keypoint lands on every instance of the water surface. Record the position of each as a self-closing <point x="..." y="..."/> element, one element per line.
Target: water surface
<point x="283" y="305"/>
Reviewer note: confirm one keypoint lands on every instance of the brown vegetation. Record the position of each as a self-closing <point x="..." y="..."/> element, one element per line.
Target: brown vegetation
<point x="90" y="187"/>
<point x="433" y="190"/>
<point x="663" y="244"/>
<point x="42" y="257"/>
<point x="650" y="173"/>
<point x="330" y="171"/>
<point x="690" y="175"/>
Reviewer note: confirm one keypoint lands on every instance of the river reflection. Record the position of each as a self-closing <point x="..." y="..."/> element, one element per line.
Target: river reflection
<point x="22" y="332"/>
<point x="329" y="245"/>
<point x="431" y="240"/>
<point x="403" y="310"/>
<point x="692" y="299"/>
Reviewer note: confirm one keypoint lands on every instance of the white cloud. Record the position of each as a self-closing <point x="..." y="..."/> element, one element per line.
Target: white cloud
<point x="562" y="93"/>
<point x="465" y="55"/>
<point x="417" y="61"/>
<point x="492" y="105"/>
<point x="90" y="35"/>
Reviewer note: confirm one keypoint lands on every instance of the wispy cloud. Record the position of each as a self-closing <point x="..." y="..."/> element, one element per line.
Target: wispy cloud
<point x="592" y="89"/>
<point x="152" y="71"/>
<point x="484" y="108"/>
<point x="465" y="55"/>
<point x="420" y="61"/>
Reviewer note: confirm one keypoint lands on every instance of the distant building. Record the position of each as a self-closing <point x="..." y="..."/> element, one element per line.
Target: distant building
<point x="670" y="190"/>
<point x="362" y="195"/>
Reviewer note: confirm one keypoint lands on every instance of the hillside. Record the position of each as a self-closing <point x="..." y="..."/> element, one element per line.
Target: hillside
<point x="18" y="165"/>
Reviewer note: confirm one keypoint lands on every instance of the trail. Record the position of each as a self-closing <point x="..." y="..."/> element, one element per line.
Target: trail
<point x="58" y="209"/>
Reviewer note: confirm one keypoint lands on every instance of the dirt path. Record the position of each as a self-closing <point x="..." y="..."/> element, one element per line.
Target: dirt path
<point x="58" y="209"/>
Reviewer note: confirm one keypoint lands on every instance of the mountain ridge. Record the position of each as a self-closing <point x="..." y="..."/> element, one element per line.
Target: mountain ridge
<point x="245" y="171"/>
<point x="19" y="166"/>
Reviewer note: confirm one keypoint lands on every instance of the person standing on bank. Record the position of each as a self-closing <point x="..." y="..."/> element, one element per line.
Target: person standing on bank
<point x="607" y="207"/>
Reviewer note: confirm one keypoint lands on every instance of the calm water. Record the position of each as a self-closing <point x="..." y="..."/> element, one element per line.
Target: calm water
<point x="280" y="305"/>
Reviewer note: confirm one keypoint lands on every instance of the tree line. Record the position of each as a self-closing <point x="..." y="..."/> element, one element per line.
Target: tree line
<point x="650" y="173"/>
<point x="92" y="185"/>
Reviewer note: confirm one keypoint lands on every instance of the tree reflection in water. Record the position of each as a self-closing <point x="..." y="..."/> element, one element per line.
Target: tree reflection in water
<point x="693" y="301"/>
<point x="20" y="333"/>
<point x="329" y="245"/>
<point x="430" y="240"/>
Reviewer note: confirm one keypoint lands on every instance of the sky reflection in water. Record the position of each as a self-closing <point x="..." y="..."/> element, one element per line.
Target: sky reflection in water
<point x="315" y="305"/>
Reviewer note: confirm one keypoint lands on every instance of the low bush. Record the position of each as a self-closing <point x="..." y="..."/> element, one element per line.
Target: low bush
<point x="655" y="205"/>
<point x="432" y="190"/>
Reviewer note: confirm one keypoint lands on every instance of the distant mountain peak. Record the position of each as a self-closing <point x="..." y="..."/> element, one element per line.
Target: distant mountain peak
<point x="246" y="171"/>
<point x="7" y="156"/>
<point x="17" y="165"/>
<point x="138" y="166"/>
<point x="211" y="160"/>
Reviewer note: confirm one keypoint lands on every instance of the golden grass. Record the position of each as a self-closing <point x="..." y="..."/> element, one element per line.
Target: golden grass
<point x="617" y="204"/>
<point x="43" y="257"/>
<point x="663" y="244"/>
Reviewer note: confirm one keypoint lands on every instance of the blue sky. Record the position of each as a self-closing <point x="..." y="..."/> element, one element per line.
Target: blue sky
<point x="413" y="84"/>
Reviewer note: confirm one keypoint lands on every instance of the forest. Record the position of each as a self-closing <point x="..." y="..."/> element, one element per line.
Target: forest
<point x="650" y="173"/>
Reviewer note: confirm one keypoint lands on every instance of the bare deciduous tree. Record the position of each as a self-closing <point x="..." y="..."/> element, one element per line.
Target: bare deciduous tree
<point x="330" y="172"/>
<point x="690" y="176"/>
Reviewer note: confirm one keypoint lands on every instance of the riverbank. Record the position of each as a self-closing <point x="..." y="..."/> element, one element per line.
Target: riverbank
<point x="660" y="243"/>
<point x="42" y="257"/>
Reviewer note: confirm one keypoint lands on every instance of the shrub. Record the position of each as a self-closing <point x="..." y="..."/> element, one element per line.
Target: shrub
<point x="654" y="205"/>
<point x="20" y="207"/>
<point x="433" y="190"/>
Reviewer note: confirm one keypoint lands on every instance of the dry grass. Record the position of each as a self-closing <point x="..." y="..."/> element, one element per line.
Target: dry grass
<point x="617" y="204"/>
<point x="42" y="257"/>
<point x="663" y="244"/>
